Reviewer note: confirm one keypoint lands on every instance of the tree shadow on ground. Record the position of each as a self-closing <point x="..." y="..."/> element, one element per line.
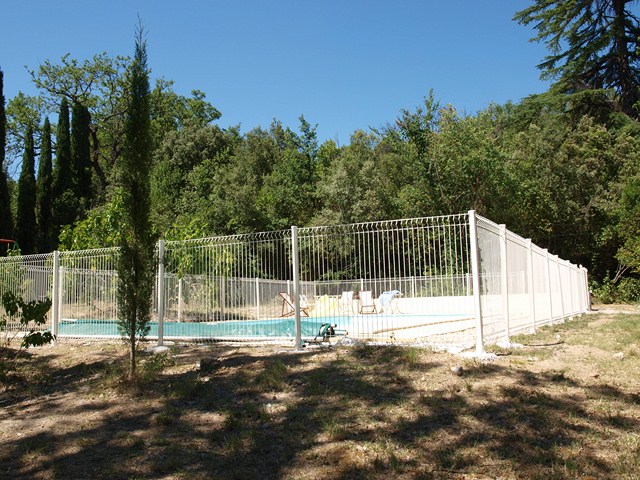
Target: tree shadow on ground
<point x="363" y="413"/>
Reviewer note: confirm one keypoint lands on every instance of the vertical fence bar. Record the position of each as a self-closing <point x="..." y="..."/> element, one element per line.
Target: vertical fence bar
<point x="160" y="293"/>
<point x="504" y="287"/>
<point x="55" y="294"/>
<point x="475" y="272"/>
<point x="296" y="284"/>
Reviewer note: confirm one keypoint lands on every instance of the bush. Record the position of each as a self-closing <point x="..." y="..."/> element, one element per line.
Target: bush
<point x="31" y="315"/>
<point x="626" y="290"/>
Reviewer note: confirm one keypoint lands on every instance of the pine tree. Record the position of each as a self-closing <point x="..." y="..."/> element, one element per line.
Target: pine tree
<point x="135" y="268"/>
<point x="44" y="185"/>
<point x="26" y="215"/>
<point x="65" y="203"/>
<point x="6" y="220"/>
<point x="593" y="45"/>
<point x="81" y="155"/>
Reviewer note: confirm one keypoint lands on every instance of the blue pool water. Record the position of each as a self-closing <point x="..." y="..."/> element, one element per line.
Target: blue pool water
<point x="281" y="327"/>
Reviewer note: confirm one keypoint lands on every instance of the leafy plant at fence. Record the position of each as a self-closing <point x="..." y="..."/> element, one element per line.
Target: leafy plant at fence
<point x="31" y="316"/>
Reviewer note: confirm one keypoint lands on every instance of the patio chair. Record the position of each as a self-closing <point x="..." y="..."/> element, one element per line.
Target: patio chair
<point x="345" y="303"/>
<point x="367" y="303"/>
<point x="389" y="301"/>
<point x="289" y="307"/>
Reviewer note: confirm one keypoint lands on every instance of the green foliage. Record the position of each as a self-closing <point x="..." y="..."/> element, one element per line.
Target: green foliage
<point x="26" y="215"/>
<point x="81" y="155"/>
<point x="592" y="45"/>
<point x="44" y="190"/>
<point x="135" y="266"/>
<point x="31" y="316"/>
<point x="627" y="290"/>
<point x="65" y="203"/>
<point x="23" y="112"/>
<point x="100" y="229"/>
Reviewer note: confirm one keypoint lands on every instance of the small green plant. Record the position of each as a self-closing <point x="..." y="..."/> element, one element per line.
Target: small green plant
<point x="31" y="315"/>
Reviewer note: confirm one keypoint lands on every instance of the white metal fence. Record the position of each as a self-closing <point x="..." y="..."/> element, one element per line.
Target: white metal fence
<point x="456" y="280"/>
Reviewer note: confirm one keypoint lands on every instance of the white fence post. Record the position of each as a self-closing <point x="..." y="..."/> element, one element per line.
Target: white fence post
<point x="585" y="274"/>
<point x="180" y="300"/>
<point x="532" y="292"/>
<point x="296" y="284"/>
<point x="55" y="294"/>
<point x="475" y="272"/>
<point x="504" y="280"/>
<point x="560" y="288"/>
<point x="160" y="293"/>
<point x="550" y="294"/>
<point x="258" y="298"/>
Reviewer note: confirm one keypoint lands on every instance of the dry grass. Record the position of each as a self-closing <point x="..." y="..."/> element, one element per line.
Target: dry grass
<point x="566" y="409"/>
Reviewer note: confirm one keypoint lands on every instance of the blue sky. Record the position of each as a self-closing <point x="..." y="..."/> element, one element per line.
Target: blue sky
<point x="345" y="65"/>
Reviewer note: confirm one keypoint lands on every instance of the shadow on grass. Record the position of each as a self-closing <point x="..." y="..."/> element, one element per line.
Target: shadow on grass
<point x="341" y="415"/>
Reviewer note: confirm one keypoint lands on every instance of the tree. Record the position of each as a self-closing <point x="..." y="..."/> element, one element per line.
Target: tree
<point x="81" y="154"/>
<point x="26" y="215"/>
<point x="23" y="112"/>
<point x="65" y="203"/>
<point x="135" y="267"/>
<point x="44" y="185"/>
<point x="6" y="220"/>
<point x="593" y="45"/>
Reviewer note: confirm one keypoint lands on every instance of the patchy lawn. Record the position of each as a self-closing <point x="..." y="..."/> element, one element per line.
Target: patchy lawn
<point x="566" y="405"/>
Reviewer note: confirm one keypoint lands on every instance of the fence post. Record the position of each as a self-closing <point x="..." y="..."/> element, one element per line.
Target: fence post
<point x="571" y="307"/>
<point x="548" y="261"/>
<point x="532" y="291"/>
<point x="296" y="285"/>
<point x="55" y="294"/>
<point x="160" y="293"/>
<point x="560" y="288"/>
<point x="585" y="274"/>
<point x="504" y="280"/>
<point x="180" y="300"/>
<point x="475" y="272"/>
<point x="258" y="297"/>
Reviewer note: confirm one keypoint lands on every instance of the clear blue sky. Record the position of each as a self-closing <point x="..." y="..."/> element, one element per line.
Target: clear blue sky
<point x="344" y="64"/>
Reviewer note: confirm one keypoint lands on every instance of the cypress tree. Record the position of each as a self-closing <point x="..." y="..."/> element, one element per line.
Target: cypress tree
<point x="81" y="154"/>
<point x="44" y="185"/>
<point x="6" y="221"/>
<point x="64" y="199"/>
<point x="135" y="267"/>
<point x="26" y="215"/>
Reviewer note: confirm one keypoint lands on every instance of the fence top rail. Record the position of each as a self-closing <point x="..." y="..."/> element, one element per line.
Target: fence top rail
<point x="93" y="252"/>
<point x="230" y="239"/>
<point x="383" y="225"/>
<point x="37" y="257"/>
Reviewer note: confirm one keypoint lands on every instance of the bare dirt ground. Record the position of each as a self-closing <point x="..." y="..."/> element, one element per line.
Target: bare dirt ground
<point x="565" y="404"/>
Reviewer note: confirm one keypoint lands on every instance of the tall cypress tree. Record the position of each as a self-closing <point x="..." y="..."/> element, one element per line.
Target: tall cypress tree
<point x="135" y="268"/>
<point x="6" y="221"/>
<point x="81" y="154"/>
<point x="26" y="215"/>
<point x="44" y="184"/>
<point x="64" y="200"/>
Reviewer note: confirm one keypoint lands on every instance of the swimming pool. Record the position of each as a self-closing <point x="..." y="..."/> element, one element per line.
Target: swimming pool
<point x="398" y="326"/>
